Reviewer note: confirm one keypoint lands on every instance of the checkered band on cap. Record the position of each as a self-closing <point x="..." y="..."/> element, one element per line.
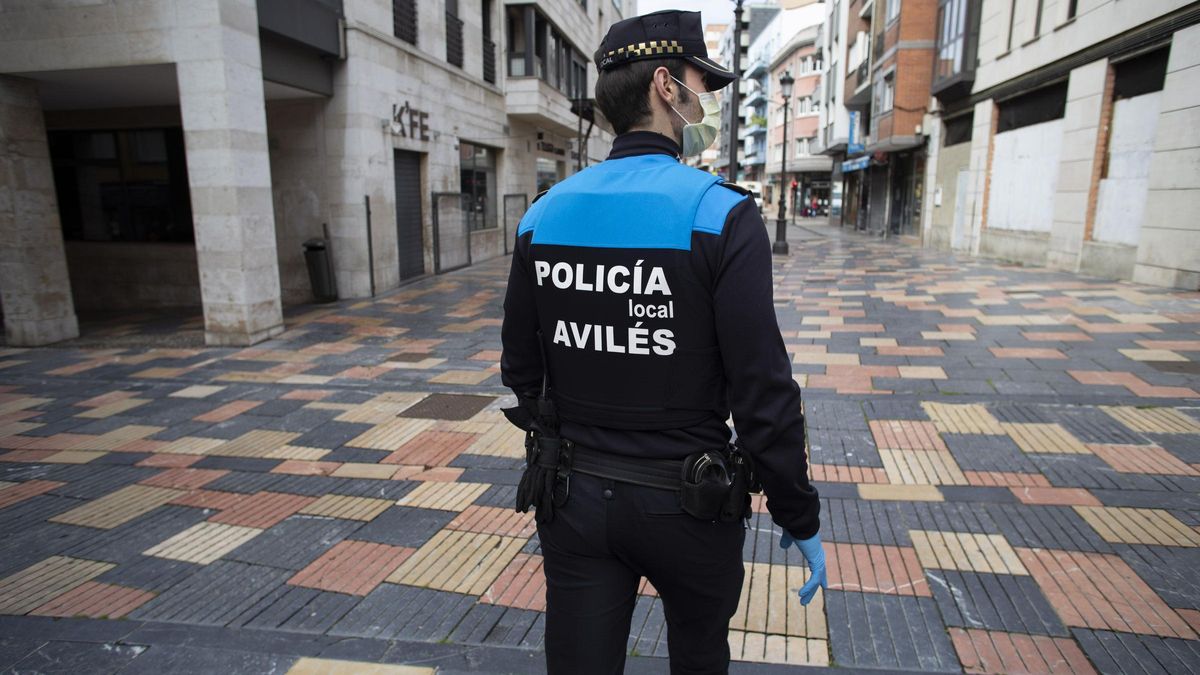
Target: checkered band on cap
<point x="639" y="50"/>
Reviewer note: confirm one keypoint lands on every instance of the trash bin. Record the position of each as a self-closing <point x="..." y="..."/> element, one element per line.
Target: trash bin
<point x="320" y="270"/>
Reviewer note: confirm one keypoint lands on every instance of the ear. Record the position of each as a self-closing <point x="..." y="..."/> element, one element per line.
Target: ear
<point x="662" y="86"/>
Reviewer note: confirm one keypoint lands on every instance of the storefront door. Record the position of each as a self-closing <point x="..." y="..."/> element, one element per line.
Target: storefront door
<point x="409" y="235"/>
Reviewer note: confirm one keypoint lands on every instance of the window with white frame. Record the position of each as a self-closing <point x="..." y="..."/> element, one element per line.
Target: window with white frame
<point x="893" y="10"/>
<point x="885" y="93"/>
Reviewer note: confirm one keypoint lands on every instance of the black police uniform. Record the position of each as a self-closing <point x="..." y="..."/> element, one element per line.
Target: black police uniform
<point x="650" y="285"/>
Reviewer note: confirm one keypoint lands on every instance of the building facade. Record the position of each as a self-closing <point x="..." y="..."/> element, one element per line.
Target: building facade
<point x="179" y="153"/>
<point x="833" y="120"/>
<point x="889" y="62"/>
<point x="1066" y="136"/>
<point x="804" y="178"/>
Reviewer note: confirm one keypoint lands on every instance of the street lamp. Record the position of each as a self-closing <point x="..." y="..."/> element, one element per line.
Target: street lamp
<point x="780" y="246"/>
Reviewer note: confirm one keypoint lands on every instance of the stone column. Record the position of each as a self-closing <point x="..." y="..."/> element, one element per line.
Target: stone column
<point x="983" y="132"/>
<point x="35" y="290"/>
<point x="1168" y="253"/>
<point x="229" y="172"/>
<point x="1089" y="91"/>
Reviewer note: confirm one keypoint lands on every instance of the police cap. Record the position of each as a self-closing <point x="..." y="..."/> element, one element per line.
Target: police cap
<point x="671" y="33"/>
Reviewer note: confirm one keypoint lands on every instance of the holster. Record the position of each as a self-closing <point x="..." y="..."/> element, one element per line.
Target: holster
<point x="742" y="482"/>
<point x="546" y="482"/>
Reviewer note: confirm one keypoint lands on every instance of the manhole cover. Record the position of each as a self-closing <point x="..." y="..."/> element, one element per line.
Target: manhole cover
<point x="1182" y="367"/>
<point x="406" y="357"/>
<point x="448" y="407"/>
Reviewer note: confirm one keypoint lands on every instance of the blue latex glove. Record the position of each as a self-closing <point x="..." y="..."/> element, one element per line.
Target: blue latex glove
<point x="814" y="554"/>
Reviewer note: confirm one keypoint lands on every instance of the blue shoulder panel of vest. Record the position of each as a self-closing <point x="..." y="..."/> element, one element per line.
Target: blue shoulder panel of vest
<point x="647" y="201"/>
<point x="715" y="206"/>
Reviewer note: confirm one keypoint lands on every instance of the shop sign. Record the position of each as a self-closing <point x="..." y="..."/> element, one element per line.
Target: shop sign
<point x="853" y="144"/>
<point x="856" y="164"/>
<point x="408" y="122"/>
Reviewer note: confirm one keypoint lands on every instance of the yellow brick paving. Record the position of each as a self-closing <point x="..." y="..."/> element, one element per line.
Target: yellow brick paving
<point x="921" y="467"/>
<point x="1121" y="525"/>
<point x="1037" y="438"/>
<point x="966" y="552"/>
<point x="117" y="507"/>
<point x="203" y="543"/>
<point x="458" y="561"/>
<point x="344" y="506"/>
<point x="443" y="496"/>
<point x="1154" y="420"/>
<point x="38" y="584"/>
<point x="970" y="418"/>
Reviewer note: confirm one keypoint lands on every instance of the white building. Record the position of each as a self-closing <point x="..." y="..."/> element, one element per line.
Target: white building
<point x="1072" y="143"/>
<point x="833" y="125"/>
<point x="177" y="153"/>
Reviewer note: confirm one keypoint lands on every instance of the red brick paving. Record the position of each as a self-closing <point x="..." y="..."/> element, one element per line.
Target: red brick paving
<point x="906" y="435"/>
<point x="494" y="520"/>
<point x="1142" y="459"/>
<point x="1049" y="336"/>
<point x="96" y="600"/>
<point x="1131" y="382"/>
<point x="983" y="651"/>
<point x="307" y="395"/>
<point x="26" y="455"/>
<point x="302" y="467"/>
<point x="1026" y="353"/>
<point x="185" y="479"/>
<point x="170" y="461"/>
<point x="1095" y="590"/>
<point x="431" y="448"/>
<point x="869" y="568"/>
<point x="105" y="399"/>
<point x="835" y="473"/>
<point x="228" y="411"/>
<point x="262" y="509"/>
<point x="352" y="567"/>
<point x="59" y="442"/>
<point x="22" y="491"/>
<point x="521" y="584"/>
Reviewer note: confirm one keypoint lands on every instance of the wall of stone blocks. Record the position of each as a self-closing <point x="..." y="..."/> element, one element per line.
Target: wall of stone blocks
<point x="1167" y="252"/>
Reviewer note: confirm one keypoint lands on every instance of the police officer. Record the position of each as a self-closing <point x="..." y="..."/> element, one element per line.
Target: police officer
<point x="639" y="310"/>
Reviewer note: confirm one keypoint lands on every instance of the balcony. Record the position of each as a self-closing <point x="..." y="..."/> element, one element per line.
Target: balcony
<point x="757" y="69"/>
<point x="861" y="95"/>
<point x="534" y="100"/>
<point x="754" y="98"/>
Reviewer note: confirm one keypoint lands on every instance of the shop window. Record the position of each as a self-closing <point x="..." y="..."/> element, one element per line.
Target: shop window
<point x="547" y="173"/>
<point x="404" y="20"/>
<point x="454" y="34"/>
<point x="127" y="185"/>
<point x="477" y="166"/>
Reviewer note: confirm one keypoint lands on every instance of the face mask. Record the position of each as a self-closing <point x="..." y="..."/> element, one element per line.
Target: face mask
<point x="697" y="136"/>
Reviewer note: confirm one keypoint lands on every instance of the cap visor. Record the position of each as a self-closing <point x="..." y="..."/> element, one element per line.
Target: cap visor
<point x="718" y="76"/>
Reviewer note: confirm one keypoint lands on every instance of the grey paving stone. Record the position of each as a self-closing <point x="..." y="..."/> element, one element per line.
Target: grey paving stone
<point x="295" y="542"/>
<point x="894" y="409"/>
<point x="1184" y="495"/>
<point x="855" y="521"/>
<point x="843" y="447"/>
<point x="1011" y="388"/>
<point x="150" y="573"/>
<point x="1127" y="653"/>
<point x="356" y="455"/>
<point x="964" y="387"/>
<point x="303" y="610"/>
<point x="173" y="433"/>
<point x="120" y="458"/>
<point x="332" y="434"/>
<point x="312" y="486"/>
<point x="477" y="623"/>
<point x="1184" y="446"/>
<point x="379" y="489"/>
<point x="20" y="548"/>
<point x="246" y="465"/>
<point x="990" y="495"/>
<point x="834" y="414"/>
<point x="1089" y="471"/>
<point x="405" y="612"/>
<point x="493" y="476"/>
<point x="85" y="481"/>
<point x="242" y="481"/>
<point x="20" y="472"/>
<point x="1045" y="527"/>
<point x="1003" y="602"/>
<point x="981" y="452"/>
<point x="404" y="526"/>
<point x="214" y="596"/>
<point x="1018" y="413"/>
<point x="468" y="461"/>
<point x="868" y="630"/>
<point x="1170" y="571"/>
<point x="14" y="649"/>
<point x="1092" y="425"/>
<point x="77" y="657"/>
<point x="184" y="660"/>
<point x="127" y="541"/>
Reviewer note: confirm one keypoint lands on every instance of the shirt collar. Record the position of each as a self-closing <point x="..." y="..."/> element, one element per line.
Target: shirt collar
<point x="634" y="143"/>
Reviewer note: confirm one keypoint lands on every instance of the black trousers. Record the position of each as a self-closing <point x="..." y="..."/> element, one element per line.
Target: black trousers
<point x="596" y="550"/>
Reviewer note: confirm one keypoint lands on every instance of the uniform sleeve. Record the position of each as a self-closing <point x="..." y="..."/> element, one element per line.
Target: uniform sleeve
<point x="763" y="397"/>
<point x="521" y="358"/>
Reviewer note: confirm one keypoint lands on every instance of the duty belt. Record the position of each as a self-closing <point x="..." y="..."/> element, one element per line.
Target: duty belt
<point x="663" y="474"/>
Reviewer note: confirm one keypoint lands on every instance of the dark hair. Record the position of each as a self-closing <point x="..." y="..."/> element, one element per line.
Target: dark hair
<point x="622" y="94"/>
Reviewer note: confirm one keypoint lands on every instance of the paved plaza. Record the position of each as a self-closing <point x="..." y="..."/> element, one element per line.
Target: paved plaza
<point x="1009" y="460"/>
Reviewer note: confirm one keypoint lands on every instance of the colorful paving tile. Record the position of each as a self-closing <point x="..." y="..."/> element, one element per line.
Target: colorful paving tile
<point x="203" y="543"/>
<point x="352" y="567"/>
<point x="980" y="434"/>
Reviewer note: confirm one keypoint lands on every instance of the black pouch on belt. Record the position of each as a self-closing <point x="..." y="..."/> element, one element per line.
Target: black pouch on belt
<point x="705" y="485"/>
<point x="741" y="484"/>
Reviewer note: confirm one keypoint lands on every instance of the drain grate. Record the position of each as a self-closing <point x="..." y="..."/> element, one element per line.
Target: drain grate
<point x="1182" y="367"/>
<point x="454" y="407"/>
